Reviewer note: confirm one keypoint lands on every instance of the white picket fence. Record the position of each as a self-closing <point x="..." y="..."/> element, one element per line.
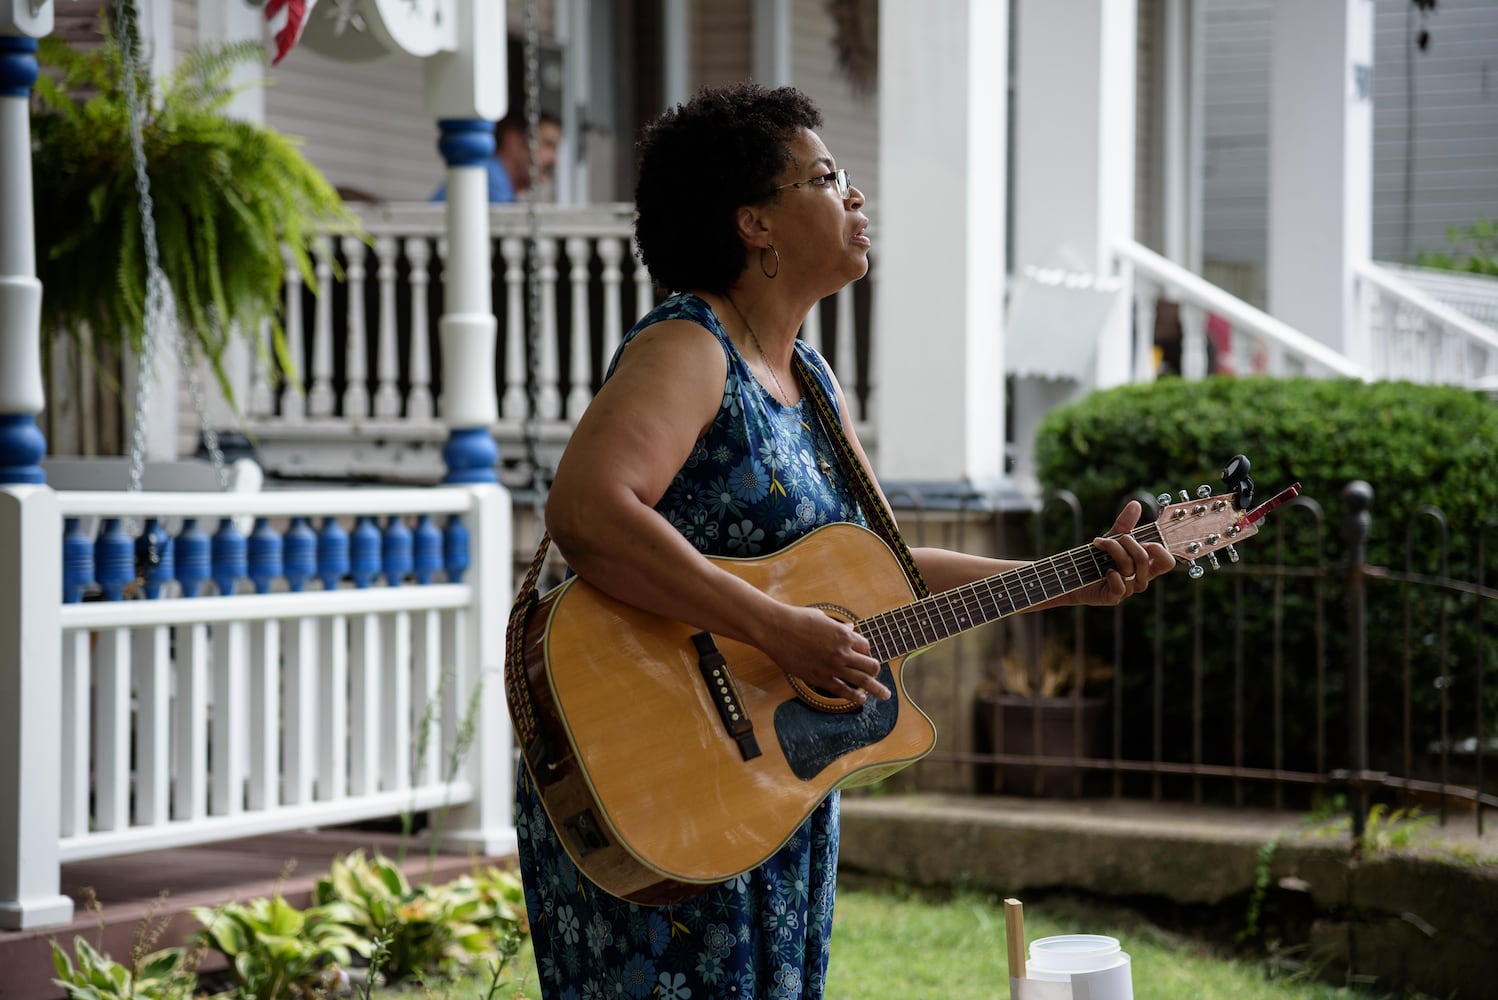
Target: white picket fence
<point x="361" y="682"/>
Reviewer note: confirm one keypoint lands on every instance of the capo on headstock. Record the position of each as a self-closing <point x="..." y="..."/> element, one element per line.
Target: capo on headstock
<point x="1235" y="476"/>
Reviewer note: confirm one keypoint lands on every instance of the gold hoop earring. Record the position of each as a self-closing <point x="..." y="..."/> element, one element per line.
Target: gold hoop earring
<point x="771" y="248"/>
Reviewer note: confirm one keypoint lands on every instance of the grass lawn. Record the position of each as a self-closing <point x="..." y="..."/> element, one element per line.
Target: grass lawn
<point x="913" y="947"/>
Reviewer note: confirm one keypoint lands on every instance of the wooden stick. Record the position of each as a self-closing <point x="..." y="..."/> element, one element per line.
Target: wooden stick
<point x="1014" y="933"/>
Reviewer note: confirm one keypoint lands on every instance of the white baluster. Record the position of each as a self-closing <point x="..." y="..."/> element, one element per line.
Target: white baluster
<point x="419" y="401"/>
<point x="333" y="699"/>
<point x="1145" y="295"/>
<point x="262" y="401"/>
<point x="301" y="721"/>
<point x="427" y="690"/>
<point x="581" y="389"/>
<point x="644" y="289"/>
<point x="77" y="669"/>
<point x="227" y="745"/>
<point x="387" y="399"/>
<point x="516" y="404"/>
<point x="151" y="654"/>
<point x="355" y="363"/>
<point x="112" y="730"/>
<point x="366" y="684"/>
<point x="549" y="392"/>
<point x="265" y="715"/>
<point x="1193" y="342"/>
<point x="845" y="338"/>
<point x="293" y="388"/>
<point x="611" y="252"/>
<point x="395" y="710"/>
<point x="320" y="397"/>
<point x="190" y="725"/>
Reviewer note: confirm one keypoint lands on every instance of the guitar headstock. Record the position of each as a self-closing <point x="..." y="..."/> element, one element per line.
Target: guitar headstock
<point x="1195" y="528"/>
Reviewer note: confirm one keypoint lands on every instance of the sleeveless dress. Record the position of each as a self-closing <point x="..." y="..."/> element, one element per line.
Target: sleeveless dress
<point x="762" y="476"/>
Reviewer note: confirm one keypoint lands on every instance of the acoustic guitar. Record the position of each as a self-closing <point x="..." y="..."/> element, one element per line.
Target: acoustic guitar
<point x="670" y="760"/>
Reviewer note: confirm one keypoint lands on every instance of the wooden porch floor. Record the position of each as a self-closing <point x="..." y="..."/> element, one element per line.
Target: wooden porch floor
<point x="113" y="897"/>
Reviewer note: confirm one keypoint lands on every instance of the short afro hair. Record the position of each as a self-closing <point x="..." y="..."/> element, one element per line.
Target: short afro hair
<point x="699" y="162"/>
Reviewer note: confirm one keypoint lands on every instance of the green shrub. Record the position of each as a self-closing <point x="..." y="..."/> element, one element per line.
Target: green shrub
<point x="1473" y="249"/>
<point x="275" y="950"/>
<point x="1418" y="446"/>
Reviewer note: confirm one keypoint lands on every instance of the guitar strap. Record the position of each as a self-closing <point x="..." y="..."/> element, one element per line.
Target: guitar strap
<point x="517" y="682"/>
<point x="864" y="490"/>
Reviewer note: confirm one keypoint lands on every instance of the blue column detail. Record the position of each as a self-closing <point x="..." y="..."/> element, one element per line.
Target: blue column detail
<point x="265" y="552"/>
<point x="19" y="69"/>
<point x="300" y="554"/>
<point x="77" y="561"/>
<point x="230" y="557"/>
<point x="427" y="550"/>
<point x="155" y="557"/>
<point x="22" y="446"/>
<point x="332" y="553"/>
<point x="193" y="566"/>
<point x="471" y="455"/>
<point x="397" y="551"/>
<point x="455" y="549"/>
<point x="114" y="554"/>
<point x="466" y="142"/>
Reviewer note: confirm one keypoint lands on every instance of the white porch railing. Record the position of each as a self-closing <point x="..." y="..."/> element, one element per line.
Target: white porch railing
<point x="1245" y="340"/>
<point x="345" y="665"/>
<point x="1415" y="336"/>
<point x="365" y="402"/>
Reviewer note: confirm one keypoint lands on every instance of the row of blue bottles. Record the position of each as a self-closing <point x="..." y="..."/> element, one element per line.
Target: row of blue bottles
<point x="115" y="562"/>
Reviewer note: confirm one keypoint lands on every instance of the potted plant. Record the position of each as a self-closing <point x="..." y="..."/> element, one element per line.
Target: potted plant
<point x="228" y="196"/>
<point x="1040" y="706"/>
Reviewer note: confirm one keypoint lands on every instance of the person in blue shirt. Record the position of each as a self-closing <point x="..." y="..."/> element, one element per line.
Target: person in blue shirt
<point x="509" y="169"/>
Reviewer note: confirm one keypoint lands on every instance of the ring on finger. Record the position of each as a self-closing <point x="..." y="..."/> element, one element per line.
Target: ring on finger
<point x="1130" y="577"/>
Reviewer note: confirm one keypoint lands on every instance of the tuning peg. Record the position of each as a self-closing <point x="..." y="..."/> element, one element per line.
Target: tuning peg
<point x="1203" y="491"/>
<point x="1194" y="570"/>
<point x="1212" y="558"/>
<point x="1164" y="500"/>
<point x="1232" y="554"/>
<point x="1185" y="497"/>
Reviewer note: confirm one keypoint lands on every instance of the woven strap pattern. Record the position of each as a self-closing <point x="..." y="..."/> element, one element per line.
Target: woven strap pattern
<point x="517" y="681"/>
<point x="863" y="487"/>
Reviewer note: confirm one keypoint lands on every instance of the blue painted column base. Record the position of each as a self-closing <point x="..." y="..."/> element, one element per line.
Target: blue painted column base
<point x="471" y="455"/>
<point x="22" y="446"/>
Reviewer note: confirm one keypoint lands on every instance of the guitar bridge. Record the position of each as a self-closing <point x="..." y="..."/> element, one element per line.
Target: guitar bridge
<point x="725" y="694"/>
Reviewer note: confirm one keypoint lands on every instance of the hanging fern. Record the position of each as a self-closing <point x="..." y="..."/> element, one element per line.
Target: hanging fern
<point x="228" y="196"/>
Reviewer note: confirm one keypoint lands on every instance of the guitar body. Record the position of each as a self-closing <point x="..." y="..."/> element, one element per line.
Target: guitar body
<point x="651" y="793"/>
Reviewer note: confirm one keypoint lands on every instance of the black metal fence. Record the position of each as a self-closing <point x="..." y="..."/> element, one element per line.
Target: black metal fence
<point x="1299" y="677"/>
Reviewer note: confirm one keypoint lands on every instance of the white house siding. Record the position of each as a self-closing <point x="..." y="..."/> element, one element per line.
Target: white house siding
<point x="851" y="119"/>
<point x="721" y="33"/>
<point x="1454" y="143"/>
<point x="1147" y="137"/>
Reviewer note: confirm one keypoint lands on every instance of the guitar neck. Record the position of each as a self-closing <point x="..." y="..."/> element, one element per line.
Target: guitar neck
<point x="903" y="630"/>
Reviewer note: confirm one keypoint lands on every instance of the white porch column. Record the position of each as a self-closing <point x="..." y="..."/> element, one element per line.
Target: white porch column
<point x="939" y="240"/>
<point x="676" y="72"/>
<point x="772" y="43"/>
<point x="466" y="91"/>
<point x="30" y="523"/>
<point x="1320" y="167"/>
<point x="1074" y="177"/>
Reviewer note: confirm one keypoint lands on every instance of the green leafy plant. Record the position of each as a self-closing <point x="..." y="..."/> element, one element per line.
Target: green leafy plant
<point x="228" y="196"/>
<point x="1473" y="249"/>
<point x="88" y="975"/>
<point x="275" y="950"/>
<point x="427" y="929"/>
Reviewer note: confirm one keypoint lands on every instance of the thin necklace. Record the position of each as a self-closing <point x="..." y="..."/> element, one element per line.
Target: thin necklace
<point x="784" y="396"/>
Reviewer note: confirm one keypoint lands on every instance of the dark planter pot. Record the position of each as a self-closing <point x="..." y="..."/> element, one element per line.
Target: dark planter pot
<point x="1019" y="726"/>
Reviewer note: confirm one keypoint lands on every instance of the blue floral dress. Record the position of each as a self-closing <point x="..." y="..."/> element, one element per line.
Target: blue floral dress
<point x="762" y="476"/>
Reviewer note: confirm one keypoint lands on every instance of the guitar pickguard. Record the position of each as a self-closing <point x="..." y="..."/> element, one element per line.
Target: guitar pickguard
<point x="811" y="740"/>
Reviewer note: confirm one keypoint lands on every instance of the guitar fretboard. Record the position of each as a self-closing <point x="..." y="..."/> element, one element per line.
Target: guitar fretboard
<point x="906" y="629"/>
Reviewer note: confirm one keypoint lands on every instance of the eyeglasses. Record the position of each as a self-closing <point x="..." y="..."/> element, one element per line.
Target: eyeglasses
<point x="838" y="177"/>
